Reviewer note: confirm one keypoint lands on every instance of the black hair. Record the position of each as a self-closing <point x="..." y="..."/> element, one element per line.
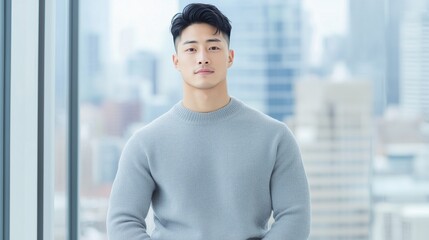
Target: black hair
<point x="200" y="13"/>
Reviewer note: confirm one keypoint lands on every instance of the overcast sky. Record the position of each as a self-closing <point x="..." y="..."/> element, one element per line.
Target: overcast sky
<point x="327" y="17"/>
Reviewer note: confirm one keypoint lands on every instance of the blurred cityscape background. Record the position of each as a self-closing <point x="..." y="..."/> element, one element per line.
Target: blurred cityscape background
<point x="349" y="77"/>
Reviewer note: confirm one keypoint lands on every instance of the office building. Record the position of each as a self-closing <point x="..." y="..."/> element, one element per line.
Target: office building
<point x="332" y="124"/>
<point x="414" y="51"/>
<point x="367" y="47"/>
<point x="401" y="222"/>
<point x="394" y="11"/>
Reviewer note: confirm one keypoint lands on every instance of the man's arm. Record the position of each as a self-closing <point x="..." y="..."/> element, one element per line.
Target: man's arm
<point x="289" y="193"/>
<point x="131" y="195"/>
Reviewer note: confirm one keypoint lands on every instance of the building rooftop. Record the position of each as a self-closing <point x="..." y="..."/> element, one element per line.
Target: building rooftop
<point x="400" y="187"/>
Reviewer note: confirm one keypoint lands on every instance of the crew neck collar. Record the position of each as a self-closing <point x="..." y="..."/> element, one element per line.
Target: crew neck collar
<point x="206" y="117"/>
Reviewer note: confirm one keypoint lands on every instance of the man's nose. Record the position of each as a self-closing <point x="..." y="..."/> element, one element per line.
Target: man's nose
<point x="203" y="58"/>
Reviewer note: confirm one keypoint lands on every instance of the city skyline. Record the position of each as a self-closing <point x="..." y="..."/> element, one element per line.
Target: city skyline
<point x="348" y="77"/>
<point x="117" y="86"/>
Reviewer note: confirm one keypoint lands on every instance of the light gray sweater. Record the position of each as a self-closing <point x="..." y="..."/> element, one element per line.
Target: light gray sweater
<point x="211" y="176"/>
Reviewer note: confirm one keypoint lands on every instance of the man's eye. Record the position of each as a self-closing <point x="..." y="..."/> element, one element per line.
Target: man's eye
<point x="214" y="48"/>
<point x="190" y="50"/>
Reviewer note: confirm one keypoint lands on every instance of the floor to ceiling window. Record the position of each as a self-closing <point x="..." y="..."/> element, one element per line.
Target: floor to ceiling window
<point x="34" y="83"/>
<point x="123" y="46"/>
<point x="348" y="76"/>
<point x="57" y="34"/>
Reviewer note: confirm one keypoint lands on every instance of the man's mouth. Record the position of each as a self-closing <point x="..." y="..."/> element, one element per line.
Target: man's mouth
<point x="204" y="71"/>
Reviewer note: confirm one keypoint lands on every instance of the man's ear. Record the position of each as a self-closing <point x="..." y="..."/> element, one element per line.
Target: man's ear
<point x="230" y="57"/>
<point x="175" y="61"/>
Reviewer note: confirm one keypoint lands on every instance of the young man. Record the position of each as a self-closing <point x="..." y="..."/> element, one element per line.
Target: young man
<point x="212" y="167"/>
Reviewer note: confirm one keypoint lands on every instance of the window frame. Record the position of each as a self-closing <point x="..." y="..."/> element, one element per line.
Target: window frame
<point x="5" y="26"/>
<point x="41" y="206"/>
<point x="2" y="17"/>
<point x="73" y="127"/>
<point x="49" y="106"/>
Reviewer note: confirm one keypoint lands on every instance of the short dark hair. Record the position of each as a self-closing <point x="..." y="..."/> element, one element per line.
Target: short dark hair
<point x="200" y="13"/>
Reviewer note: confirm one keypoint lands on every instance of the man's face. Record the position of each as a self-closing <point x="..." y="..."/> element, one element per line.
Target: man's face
<point x="202" y="57"/>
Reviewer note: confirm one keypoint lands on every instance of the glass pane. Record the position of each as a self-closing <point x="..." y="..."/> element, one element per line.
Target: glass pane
<point x="122" y="59"/>
<point x="23" y="121"/>
<point x="348" y="77"/>
<point x="61" y="76"/>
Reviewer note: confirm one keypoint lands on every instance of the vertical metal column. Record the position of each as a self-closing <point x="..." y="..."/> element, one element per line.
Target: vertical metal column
<point x="5" y="121"/>
<point x="73" y="160"/>
<point x="41" y="121"/>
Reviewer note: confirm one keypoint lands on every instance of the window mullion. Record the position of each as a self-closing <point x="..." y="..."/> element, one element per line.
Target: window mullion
<point x="73" y="160"/>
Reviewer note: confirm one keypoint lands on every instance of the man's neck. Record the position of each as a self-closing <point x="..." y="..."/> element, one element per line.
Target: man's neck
<point x="201" y="101"/>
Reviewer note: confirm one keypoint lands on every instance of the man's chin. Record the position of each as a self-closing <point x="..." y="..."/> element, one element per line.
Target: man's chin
<point x="202" y="84"/>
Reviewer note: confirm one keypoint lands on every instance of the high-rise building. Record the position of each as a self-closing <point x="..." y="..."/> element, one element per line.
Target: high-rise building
<point x="367" y="46"/>
<point x="401" y="222"/>
<point x="93" y="49"/>
<point x="401" y="144"/>
<point x="332" y="125"/>
<point x="414" y="51"/>
<point x="400" y="180"/>
<point x="266" y="37"/>
<point x="394" y="10"/>
<point x="143" y="65"/>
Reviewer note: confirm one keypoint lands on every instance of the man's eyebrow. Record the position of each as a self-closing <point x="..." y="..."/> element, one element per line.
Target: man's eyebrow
<point x="208" y="40"/>
<point x="189" y="42"/>
<point x="213" y="40"/>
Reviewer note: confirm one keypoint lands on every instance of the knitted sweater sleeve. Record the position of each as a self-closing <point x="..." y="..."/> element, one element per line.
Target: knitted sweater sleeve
<point x="289" y="193"/>
<point x="131" y="195"/>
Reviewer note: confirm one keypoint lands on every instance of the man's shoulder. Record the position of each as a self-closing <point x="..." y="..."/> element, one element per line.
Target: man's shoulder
<point x="263" y="125"/>
<point x="160" y="124"/>
<point x="258" y="117"/>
